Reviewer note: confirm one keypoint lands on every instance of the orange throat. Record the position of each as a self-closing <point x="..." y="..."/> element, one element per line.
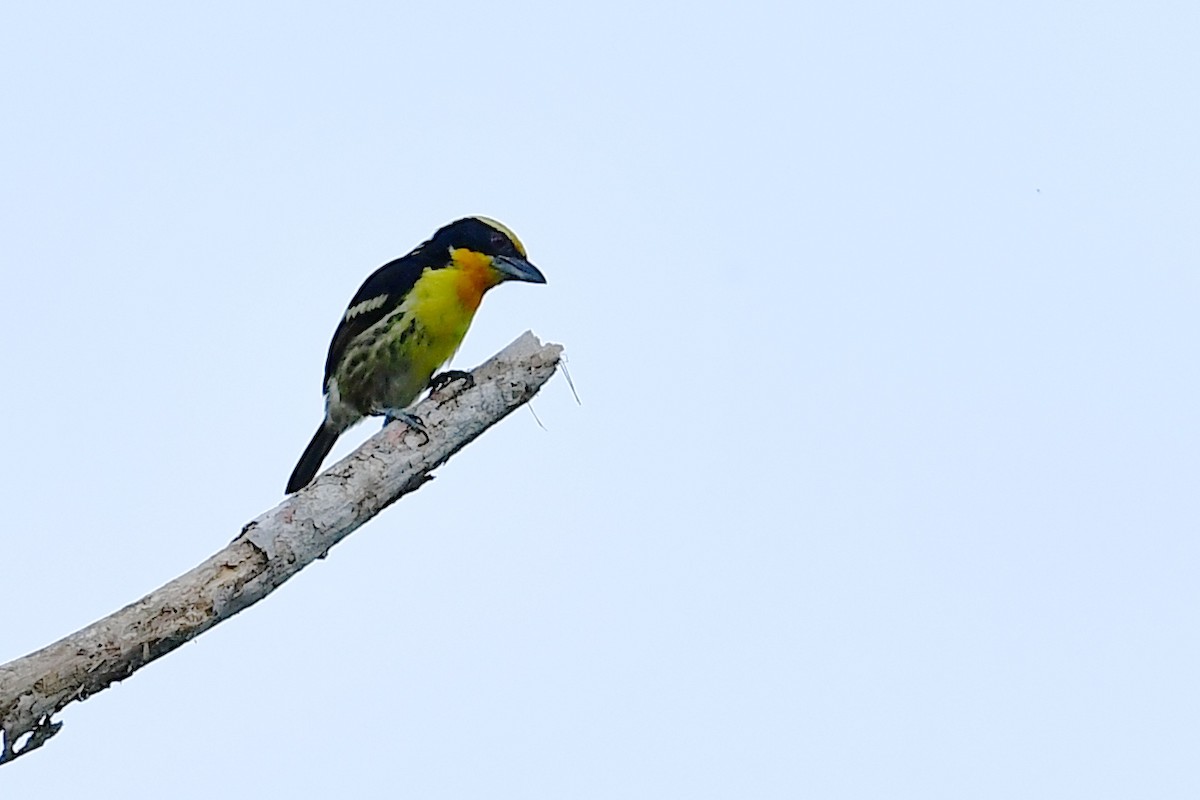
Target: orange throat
<point x="475" y="276"/>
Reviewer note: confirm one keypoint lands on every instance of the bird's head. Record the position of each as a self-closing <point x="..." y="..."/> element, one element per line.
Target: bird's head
<point x="484" y="243"/>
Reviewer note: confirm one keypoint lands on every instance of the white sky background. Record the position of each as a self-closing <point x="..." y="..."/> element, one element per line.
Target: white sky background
<point x="883" y="316"/>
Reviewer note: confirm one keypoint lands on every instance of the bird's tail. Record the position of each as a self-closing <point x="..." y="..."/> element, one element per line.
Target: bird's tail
<point x="306" y="469"/>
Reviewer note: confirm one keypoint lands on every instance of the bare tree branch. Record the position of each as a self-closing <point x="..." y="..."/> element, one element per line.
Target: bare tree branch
<point x="268" y="551"/>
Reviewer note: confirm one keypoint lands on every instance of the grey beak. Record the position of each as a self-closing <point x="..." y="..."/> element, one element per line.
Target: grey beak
<point x="517" y="269"/>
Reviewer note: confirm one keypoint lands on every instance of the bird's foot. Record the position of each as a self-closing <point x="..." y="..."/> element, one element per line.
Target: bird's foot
<point x="444" y="379"/>
<point x="410" y="419"/>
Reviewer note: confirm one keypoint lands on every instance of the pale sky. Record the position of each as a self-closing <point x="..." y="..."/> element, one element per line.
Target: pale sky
<point x="884" y="321"/>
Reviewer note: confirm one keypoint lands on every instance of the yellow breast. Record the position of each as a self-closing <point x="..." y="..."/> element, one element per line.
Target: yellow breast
<point x="444" y="302"/>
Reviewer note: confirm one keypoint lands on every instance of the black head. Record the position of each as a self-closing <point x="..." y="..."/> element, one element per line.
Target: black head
<point x="504" y="252"/>
<point x="481" y="234"/>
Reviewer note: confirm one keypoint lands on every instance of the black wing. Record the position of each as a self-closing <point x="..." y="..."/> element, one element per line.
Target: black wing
<point x="380" y="294"/>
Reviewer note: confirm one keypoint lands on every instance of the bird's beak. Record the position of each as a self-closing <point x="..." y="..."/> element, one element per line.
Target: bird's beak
<point x="513" y="268"/>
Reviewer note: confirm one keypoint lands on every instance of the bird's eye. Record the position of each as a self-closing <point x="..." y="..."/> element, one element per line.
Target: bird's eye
<point x="499" y="240"/>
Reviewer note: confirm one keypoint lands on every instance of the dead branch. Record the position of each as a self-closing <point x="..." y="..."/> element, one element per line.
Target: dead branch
<point x="268" y="551"/>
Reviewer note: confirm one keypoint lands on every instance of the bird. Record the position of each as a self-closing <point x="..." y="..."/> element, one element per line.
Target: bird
<point x="405" y="321"/>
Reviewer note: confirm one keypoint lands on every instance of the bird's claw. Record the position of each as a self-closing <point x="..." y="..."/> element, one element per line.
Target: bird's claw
<point x="443" y="379"/>
<point x="408" y="418"/>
